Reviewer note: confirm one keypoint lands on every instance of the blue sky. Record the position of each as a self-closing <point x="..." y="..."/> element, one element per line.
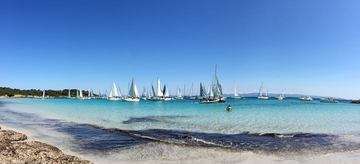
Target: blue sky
<point x="300" y="46"/>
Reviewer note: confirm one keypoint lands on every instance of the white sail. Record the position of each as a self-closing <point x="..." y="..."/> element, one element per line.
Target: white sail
<point x="202" y="91"/>
<point x="69" y="94"/>
<point x="114" y="91"/>
<point x="159" y="93"/>
<point x="133" y="92"/>
<point x="266" y="93"/>
<point x="166" y="93"/>
<point x="261" y="92"/>
<point x="148" y="95"/>
<point x="80" y="94"/>
<point x="178" y="93"/>
<point x="216" y="86"/>
<point x="43" y="95"/>
<point x="191" y="89"/>
<point x="144" y="92"/>
<point x="235" y="92"/>
<point x="211" y="93"/>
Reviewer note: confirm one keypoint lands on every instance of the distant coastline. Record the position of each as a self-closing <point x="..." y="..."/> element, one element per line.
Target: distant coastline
<point x="7" y="92"/>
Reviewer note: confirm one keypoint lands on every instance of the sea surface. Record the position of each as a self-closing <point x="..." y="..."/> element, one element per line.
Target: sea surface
<point x="185" y="131"/>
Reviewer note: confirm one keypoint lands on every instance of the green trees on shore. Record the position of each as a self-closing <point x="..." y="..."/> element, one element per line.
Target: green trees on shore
<point x="37" y="92"/>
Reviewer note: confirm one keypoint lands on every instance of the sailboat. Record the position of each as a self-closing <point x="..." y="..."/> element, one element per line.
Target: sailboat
<point x="81" y="96"/>
<point x="215" y="91"/>
<point x="262" y="94"/>
<point x="114" y="93"/>
<point x="144" y="94"/>
<point x="281" y="96"/>
<point x="306" y="98"/>
<point x="90" y="94"/>
<point x="69" y="94"/>
<point x="178" y="94"/>
<point x="148" y="95"/>
<point x="158" y="94"/>
<point x="236" y="94"/>
<point x="43" y="94"/>
<point x="133" y="93"/>
<point x="166" y="95"/>
<point x="203" y="93"/>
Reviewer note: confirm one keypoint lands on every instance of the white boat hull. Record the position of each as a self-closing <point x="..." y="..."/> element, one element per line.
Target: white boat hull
<point x="132" y="99"/>
<point x="263" y="97"/>
<point x="114" y="98"/>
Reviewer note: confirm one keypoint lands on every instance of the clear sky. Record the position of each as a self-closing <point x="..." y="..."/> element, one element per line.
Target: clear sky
<point x="300" y="46"/>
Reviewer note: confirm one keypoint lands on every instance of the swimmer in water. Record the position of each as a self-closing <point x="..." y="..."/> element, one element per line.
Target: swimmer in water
<point x="228" y="108"/>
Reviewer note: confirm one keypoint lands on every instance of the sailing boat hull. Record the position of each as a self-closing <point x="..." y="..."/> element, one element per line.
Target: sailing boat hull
<point x="212" y="100"/>
<point x="132" y="99"/>
<point x="114" y="98"/>
<point x="263" y="97"/>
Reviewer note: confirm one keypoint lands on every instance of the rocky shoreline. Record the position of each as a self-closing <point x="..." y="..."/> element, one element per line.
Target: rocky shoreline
<point x="15" y="148"/>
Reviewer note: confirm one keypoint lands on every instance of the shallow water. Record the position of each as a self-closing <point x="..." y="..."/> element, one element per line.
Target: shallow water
<point x="145" y="130"/>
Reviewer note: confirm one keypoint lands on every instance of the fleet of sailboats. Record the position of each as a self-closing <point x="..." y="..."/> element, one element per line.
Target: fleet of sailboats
<point x="212" y="93"/>
<point x="215" y="91"/>
<point x="160" y="93"/>
<point x="306" y="98"/>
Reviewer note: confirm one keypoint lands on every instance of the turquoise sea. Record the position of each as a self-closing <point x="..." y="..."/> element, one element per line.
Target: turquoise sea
<point x="187" y="131"/>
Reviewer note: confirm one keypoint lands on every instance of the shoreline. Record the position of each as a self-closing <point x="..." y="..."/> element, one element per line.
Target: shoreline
<point x="16" y="148"/>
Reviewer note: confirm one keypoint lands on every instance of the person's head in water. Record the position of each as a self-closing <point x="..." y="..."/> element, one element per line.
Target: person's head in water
<point x="228" y="108"/>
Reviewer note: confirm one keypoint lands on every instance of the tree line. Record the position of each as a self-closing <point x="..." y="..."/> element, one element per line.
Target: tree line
<point x="6" y="91"/>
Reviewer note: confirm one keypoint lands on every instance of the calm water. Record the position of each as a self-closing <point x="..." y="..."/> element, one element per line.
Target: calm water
<point x="261" y="125"/>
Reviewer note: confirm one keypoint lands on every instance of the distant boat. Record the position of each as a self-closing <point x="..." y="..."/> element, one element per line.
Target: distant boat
<point x="178" y="94"/>
<point x="281" y="96"/>
<point x="80" y="96"/>
<point x="236" y="94"/>
<point x="114" y="93"/>
<point x="215" y="91"/>
<point x="43" y="94"/>
<point x="160" y="94"/>
<point x="133" y="93"/>
<point x="69" y="94"/>
<point x="90" y="94"/>
<point x="329" y="100"/>
<point x="144" y="94"/>
<point x="306" y="98"/>
<point x="203" y="93"/>
<point x="262" y="93"/>
<point x="166" y="94"/>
